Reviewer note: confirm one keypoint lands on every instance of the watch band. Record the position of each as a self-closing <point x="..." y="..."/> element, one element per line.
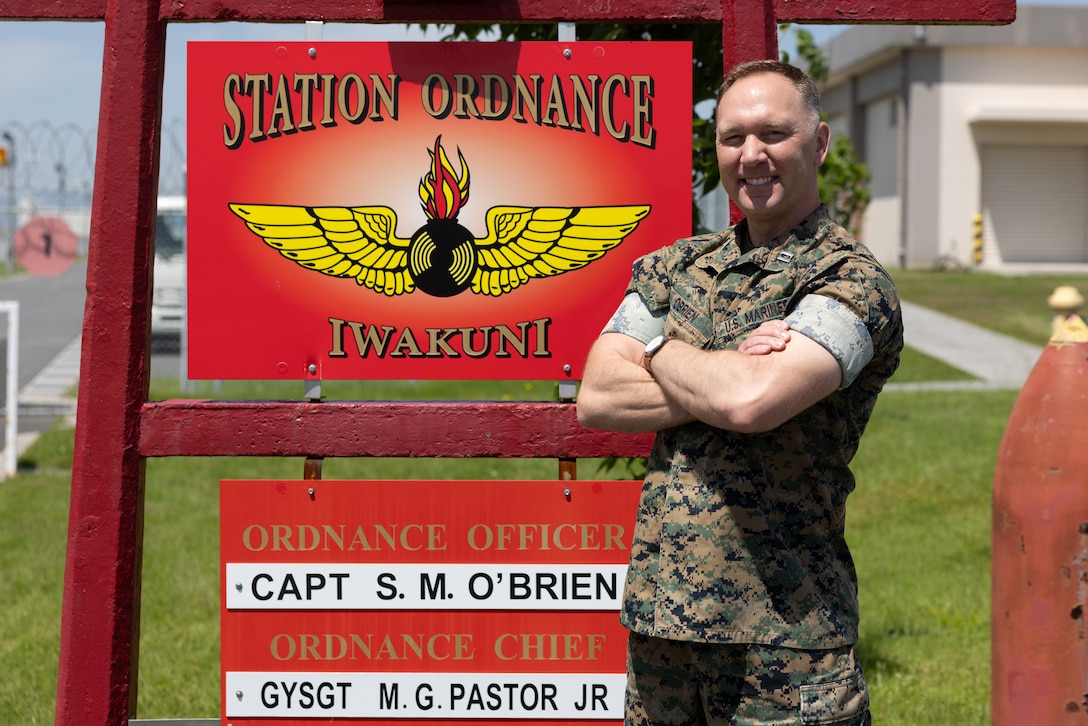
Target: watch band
<point x="652" y="349"/>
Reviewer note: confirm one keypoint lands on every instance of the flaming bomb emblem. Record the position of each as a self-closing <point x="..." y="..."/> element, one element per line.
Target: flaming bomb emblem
<point x="442" y="258"/>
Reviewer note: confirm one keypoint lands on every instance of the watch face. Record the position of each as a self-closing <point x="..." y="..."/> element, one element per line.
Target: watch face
<point x="655" y="345"/>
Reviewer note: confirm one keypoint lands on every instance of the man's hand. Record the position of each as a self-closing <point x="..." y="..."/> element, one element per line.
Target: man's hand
<point x="771" y="336"/>
<point x="618" y="394"/>
<point x="746" y="392"/>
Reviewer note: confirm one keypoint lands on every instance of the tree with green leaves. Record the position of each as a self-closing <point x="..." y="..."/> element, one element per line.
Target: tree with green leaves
<point x="843" y="178"/>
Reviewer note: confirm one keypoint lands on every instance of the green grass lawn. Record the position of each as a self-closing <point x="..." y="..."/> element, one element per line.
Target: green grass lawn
<point x="915" y="367"/>
<point x="919" y="526"/>
<point x="918" y="523"/>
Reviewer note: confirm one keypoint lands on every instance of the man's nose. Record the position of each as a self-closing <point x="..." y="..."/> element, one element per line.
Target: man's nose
<point x="752" y="151"/>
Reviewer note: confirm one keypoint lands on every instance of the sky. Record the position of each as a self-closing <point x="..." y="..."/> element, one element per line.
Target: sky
<point x="50" y="80"/>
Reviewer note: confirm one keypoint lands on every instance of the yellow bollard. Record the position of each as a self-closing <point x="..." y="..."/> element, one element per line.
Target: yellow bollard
<point x="976" y="239"/>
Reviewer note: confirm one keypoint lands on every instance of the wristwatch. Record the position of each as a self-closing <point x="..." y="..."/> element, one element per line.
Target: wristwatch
<point x="652" y="349"/>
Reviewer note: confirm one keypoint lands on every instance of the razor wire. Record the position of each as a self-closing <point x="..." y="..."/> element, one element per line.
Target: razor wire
<point x="49" y="171"/>
<point x="51" y="168"/>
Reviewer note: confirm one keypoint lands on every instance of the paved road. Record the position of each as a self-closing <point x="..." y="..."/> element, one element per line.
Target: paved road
<point x="50" y="319"/>
<point x="50" y="315"/>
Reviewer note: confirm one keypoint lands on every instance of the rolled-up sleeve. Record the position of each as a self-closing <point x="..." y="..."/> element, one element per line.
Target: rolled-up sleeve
<point x="635" y="319"/>
<point x="837" y="328"/>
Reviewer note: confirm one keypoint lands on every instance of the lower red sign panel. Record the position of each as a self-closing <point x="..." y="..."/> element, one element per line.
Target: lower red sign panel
<point x="412" y="601"/>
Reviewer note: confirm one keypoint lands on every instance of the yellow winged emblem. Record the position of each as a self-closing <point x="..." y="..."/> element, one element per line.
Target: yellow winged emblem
<point x="442" y="258"/>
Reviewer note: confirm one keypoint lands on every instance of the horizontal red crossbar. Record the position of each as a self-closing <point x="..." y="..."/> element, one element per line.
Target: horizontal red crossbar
<point x="917" y="12"/>
<point x="376" y="428"/>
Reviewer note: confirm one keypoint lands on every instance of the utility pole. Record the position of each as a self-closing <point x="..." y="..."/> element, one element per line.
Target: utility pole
<point x="9" y="162"/>
<point x="61" y="177"/>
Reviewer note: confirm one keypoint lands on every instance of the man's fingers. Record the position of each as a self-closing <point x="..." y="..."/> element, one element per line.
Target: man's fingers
<point x="762" y="345"/>
<point x="769" y="337"/>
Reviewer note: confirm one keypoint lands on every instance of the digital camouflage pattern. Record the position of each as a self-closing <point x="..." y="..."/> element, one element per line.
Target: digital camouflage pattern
<point x="740" y="537"/>
<point x="742" y="685"/>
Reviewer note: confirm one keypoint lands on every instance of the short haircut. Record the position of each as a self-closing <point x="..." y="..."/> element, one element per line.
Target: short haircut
<point x="802" y="81"/>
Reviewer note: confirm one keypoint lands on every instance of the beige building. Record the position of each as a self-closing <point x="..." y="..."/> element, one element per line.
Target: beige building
<point x="958" y="121"/>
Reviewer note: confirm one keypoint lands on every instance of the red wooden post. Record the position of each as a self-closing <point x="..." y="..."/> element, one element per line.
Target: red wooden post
<point x="116" y="430"/>
<point x="749" y="31"/>
<point x="100" y="620"/>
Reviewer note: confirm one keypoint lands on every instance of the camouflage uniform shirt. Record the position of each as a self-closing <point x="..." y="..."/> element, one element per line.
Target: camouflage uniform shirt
<point x="739" y="537"/>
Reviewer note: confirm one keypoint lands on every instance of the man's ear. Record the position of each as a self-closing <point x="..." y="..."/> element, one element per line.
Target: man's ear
<point x="823" y="141"/>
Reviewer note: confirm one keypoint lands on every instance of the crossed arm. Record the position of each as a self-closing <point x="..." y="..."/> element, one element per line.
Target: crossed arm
<point x="774" y="375"/>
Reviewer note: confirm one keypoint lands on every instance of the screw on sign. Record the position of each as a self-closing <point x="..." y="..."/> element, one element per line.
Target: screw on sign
<point x="45" y="246"/>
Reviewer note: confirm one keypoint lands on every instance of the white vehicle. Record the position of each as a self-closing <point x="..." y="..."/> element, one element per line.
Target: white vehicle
<point x="168" y="295"/>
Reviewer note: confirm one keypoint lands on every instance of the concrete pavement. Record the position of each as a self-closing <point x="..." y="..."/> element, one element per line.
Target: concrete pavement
<point x="996" y="360"/>
<point x="51" y="386"/>
<point x="49" y="392"/>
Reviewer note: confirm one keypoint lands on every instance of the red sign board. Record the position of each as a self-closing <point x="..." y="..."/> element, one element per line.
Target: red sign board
<point x="410" y="601"/>
<point x="425" y="211"/>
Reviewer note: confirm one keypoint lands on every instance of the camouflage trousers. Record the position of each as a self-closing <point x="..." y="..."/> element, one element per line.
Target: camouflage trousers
<point x="676" y="682"/>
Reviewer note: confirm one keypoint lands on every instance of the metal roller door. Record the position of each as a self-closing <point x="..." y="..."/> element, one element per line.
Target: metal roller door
<point x="1035" y="203"/>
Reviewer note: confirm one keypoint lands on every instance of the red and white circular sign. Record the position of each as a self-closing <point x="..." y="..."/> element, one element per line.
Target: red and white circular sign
<point x="45" y="246"/>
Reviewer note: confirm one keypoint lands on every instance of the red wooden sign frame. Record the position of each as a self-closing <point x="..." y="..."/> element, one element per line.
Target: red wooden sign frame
<point x="117" y="428"/>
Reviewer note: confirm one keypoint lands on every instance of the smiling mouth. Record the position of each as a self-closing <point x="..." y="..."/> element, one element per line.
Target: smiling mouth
<point x="759" y="181"/>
